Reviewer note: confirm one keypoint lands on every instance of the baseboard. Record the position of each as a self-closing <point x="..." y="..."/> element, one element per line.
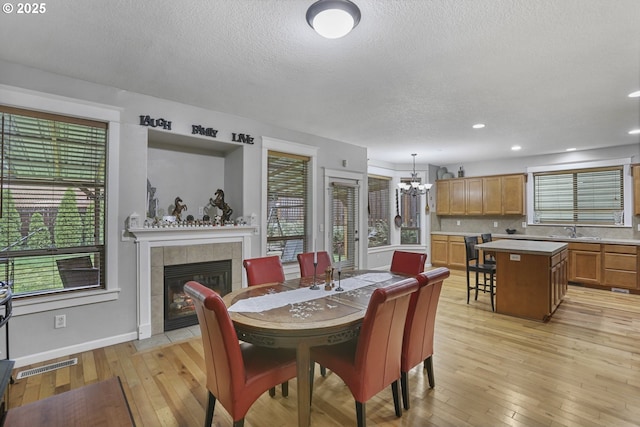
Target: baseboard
<point x="74" y="349"/>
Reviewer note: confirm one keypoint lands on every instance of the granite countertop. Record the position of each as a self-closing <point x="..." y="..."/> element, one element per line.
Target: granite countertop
<point x="551" y="238"/>
<point x="534" y="247"/>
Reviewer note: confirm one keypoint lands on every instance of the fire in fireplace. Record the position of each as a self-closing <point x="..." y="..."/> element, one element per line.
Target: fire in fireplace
<point x="178" y="308"/>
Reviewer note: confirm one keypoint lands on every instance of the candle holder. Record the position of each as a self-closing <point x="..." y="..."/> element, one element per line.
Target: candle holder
<point x="339" y="288"/>
<point x="314" y="286"/>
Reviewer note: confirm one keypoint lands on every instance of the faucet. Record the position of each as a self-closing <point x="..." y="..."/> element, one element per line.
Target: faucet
<point x="573" y="233"/>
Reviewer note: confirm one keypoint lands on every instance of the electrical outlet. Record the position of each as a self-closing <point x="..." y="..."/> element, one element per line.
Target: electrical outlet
<point x="495" y="224"/>
<point x="458" y="222"/>
<point x="201" y="211"/>
<point x="524" y="224"/>
<point x="60" y="321"/>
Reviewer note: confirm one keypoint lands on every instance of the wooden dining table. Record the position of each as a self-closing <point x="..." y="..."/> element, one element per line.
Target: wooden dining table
<point x="291" y="315"/>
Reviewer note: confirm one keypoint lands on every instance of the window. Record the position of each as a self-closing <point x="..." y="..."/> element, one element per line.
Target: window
<point x="410" y="229"/>
<point x="592" y="196"/>
<point x="52" y="204"/>
<point x="379" y="215"/>
<point x="287" y="205"/>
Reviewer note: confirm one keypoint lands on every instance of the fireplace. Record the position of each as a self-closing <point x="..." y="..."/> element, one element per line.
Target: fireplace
<point x="178" y="308"/>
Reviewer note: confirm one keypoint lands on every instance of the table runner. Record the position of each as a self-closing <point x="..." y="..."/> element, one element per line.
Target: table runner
<point x="281" y="299"/>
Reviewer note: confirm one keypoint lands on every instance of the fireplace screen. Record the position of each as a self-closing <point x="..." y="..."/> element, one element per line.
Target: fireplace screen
<point x="178" y="307"/>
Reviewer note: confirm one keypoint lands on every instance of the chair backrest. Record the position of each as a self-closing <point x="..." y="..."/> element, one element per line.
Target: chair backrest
<point x="410" y="263"/>
<point x="486" y="237"/>
<point x="263" y="270"/>
<point x="470" y="243"/>
<point x="305" y="261"/>
<point x="417" y="343"/>
<point x="223" y="358"/>
<point x="78" y="271"/>
<point x="377" y="356"/>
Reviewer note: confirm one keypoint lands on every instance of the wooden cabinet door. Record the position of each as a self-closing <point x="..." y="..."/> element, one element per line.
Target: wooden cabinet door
<point x="636" y="190"/>
<point x="492" y="195"/>
<point x="457" y="253"/>
<point x="439" y="250"/>
<point x="513" y="195"/>
<point x="457" y="197"/>
<point x="474" y="194"/>
<point x="620" y="266"/>
<point x="585" y="267"/>
<point x="442" y="197"/>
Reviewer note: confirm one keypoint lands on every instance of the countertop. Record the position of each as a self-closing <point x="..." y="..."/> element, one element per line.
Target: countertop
<point x="551" y="238"/>
<point x="533" y="247"/>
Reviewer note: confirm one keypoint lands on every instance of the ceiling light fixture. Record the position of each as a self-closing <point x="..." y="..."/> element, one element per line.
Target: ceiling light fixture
<point x="478" y="126"/>
<point x="634" y="132"/>
<point x="571" y="149"/>
<point x="635" y="94"/>
<point x="516" y="148"/>
<point x="414" y="188"/>
<point x="333" y="19"/>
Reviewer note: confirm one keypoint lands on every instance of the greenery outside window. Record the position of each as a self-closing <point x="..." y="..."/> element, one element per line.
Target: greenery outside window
<point x="593" y="196"/>
<point x="378" y="208"/>
<point x="52" y="205"/>
<point x="410" y="211"/>
<point x="287" y="205"/>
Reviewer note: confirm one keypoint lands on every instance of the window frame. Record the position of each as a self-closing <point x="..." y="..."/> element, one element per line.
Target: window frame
<point x="583" y="166"/>
<point x="58" y="105"/>
<point x="311" y="225"/>
<point x="384" y="205"/>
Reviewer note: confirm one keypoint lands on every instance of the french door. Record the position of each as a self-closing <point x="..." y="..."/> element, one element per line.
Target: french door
<point x="344" y="219"/>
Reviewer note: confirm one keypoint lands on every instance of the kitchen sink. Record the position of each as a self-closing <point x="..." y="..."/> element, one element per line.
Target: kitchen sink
<point x="556" y="236"/>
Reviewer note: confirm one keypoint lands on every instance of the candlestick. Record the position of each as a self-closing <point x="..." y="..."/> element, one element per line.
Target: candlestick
<point x="314" y="286"/>
<point x="339" y="288"/>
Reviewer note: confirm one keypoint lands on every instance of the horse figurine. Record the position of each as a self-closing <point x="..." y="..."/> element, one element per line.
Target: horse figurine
<point x="222" y="205"/>
<point x="179" y="207"/>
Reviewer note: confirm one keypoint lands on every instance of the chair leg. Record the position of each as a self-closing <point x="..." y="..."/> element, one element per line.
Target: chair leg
<point x="360" y="414"/>
<point x="239" y="423"/>
<point x="272" y="391"/>
<point x="323" y="371"/>
<point x="468" y="287"/>
<point x="404" y="384"/>
<point x="477" y="286"/>
<point x="208" y="419"/>
<point x="285" y="388"/>
<point x="312" y="370"/>
<point x="428" y="363"/>
<point x="396" y="398"/>
<point x="491" y="292"/>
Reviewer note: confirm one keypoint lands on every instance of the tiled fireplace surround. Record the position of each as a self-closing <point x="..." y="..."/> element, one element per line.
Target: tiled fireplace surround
<point x="159" y="247"/>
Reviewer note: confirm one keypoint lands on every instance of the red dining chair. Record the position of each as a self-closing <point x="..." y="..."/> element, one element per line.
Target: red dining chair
<point x="263" y="270"/>
<point x="410" y="263"/>
<point x="417" y="343"/>
<point x="305" y="261"/>
<point x="371" y="362"/>
<point x="237" y="373"/>
<point x="266" y="270"/>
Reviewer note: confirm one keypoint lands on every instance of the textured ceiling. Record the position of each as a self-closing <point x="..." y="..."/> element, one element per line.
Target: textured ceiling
<point x="413" y="77"/>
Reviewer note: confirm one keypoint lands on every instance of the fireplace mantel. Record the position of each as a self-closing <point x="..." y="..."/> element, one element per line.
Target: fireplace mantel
<point x="153" y="237"/>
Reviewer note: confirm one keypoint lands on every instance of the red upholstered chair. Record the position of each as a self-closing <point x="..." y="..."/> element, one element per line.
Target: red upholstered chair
<point x="237" y="373"/>
<point x="305" y="261"/>
<point x="417" y="343"/>
<point x="266" y="270"/>
<point x="410" y="263"/>
<point x="371" y="362"/>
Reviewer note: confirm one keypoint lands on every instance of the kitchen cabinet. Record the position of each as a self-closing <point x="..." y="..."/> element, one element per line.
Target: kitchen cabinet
<point x="513" y="195"/>
<point x="585" y="262"/>
<point x="457" y="253"/>
<point x="442" y="197"/>
<point x="490" y="195"/>
<point x="620" y="266"/>
<point x="474" y="195"/>
<point x="439" y="250"/>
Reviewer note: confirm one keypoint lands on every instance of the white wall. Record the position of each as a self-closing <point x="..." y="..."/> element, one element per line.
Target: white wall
<point x="33" y="338"/>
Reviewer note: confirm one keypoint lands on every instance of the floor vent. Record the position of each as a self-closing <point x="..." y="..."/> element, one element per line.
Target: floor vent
<point x="46" y="368"/>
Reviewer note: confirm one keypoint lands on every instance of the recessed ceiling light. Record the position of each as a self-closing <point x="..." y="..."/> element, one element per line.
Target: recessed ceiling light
<point x="478" y="126"/>
<point x="516" y="148"/>
<point x="634" y="132"/>
<point x="571" y="149"/>
<point x="635" y="94"/>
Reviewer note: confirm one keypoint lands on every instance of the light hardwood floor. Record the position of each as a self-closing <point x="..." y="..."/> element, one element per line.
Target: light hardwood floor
<point x="582" y="368"/>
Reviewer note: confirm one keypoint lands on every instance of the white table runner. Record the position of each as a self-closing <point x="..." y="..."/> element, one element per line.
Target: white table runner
<point x="281" y="299"/>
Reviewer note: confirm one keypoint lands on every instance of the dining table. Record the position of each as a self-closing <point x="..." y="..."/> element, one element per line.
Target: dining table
<point x="296" y="314"/>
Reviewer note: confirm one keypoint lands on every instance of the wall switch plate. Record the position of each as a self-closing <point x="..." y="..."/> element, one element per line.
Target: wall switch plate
<point x="60" y="321"/>
<point x="201" y="211"/>
<point x="524" y="224"/>
<point x="495" y="224"/>
<point x="458" y="222"/>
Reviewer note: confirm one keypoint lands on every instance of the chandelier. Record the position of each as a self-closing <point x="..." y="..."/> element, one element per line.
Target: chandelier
<point x="414" y="188"/>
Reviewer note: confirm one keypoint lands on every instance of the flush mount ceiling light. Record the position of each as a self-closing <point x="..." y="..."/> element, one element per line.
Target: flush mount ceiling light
<point x="414" y="188"/>
<point x="333" y="19"/>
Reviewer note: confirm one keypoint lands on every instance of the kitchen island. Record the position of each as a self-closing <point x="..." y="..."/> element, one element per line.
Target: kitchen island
<point x="531" y="277"/>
